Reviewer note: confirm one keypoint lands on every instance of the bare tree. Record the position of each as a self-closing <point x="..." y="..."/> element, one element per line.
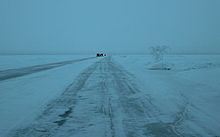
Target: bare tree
<point x="158" y="52"/>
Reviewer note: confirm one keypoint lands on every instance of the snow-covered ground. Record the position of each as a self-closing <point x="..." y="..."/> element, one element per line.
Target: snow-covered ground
<point x="188" y="95"/>
<point x="23" y="98"/>
<point x="19" y="61"/>
<point x="114" y="96"/>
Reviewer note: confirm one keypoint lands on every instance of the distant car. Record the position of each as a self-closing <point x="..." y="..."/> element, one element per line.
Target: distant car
<point x="100" y="55"/>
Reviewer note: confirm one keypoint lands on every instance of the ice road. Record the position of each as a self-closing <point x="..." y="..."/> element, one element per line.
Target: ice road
<point x="105" y="100"/>
<point x="13" y="73"/>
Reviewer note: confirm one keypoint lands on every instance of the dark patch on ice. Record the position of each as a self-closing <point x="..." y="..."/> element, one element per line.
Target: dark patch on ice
<point x="60" y="122"/>
<point x="159" y="68"/>
<point x="161" y="130"/>
<point x="41" y="130"/>
<point x="66" y="113"/>
<point x="164" y="130"/>
<point x="63" y="116"/>
<point x="202" y="66"/>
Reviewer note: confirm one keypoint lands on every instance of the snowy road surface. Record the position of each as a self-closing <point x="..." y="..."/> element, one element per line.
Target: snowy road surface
<point x="105" y="100"/>
<point x="13" y="73"/>
<point x="99" y="103"/>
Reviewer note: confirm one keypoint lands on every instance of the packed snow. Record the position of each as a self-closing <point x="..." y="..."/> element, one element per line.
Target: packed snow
<point x="113" y="96"/>
<point x="20" y="61"/>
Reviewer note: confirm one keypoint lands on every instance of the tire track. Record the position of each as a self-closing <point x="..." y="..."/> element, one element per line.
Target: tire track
<point x="142" y="118"/>
<point x="137" y="111"/>
<point x="58" y="111"/>
<point x="74" y="113"/>
<point x="106" y="106"/>
<point x="103" y="101"/>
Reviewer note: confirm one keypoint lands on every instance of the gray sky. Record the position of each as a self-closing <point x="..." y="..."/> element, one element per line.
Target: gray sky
<point x="127" y="26"/>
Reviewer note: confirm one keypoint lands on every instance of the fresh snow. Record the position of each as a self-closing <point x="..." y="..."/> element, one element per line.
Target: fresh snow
<point x="189" y="92"/>
<point x="23" y="98"/>
<point x="20" y="61"/>
<point x="116" y="96"/>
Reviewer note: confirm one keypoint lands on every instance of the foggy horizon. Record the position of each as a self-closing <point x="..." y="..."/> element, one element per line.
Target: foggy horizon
<point x="115" y="27"/>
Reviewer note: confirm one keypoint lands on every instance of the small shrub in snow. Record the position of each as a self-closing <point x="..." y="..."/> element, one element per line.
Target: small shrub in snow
<point x="158" y="53"/>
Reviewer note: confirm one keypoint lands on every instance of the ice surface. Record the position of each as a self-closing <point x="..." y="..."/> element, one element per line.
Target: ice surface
<point x="115" y="96"/>
<point x="19" y="61"/>
<point x="190" y="89"/>
<point x="22" y="99"/>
